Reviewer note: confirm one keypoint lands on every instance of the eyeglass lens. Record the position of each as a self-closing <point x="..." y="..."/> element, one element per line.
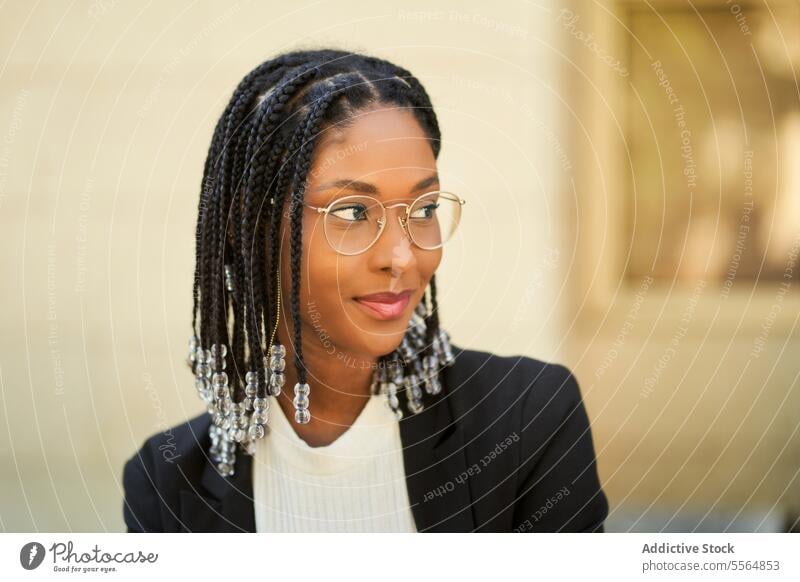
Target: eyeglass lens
<point x="353" y="223"/>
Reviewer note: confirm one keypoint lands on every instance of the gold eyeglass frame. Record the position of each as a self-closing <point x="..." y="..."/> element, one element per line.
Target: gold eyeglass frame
<point x="382" y="221"/>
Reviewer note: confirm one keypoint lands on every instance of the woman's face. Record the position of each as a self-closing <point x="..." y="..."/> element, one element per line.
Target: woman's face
<point x="389" y="154"/>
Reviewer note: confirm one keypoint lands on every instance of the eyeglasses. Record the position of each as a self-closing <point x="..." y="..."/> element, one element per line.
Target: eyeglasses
<point x="352" y="224"/>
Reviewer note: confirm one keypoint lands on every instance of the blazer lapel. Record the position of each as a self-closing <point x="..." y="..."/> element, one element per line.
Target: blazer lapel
<point x="229" y="505"/>
<point x="435" y="465"/>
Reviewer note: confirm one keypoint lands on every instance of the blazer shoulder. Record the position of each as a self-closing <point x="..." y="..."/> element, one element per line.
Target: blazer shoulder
<point x="506" y="392"/>
<point x="538" y="405"/>
<point x="175" y="444"/>
<point x="477" y="364"/>
<point x="156" y="471"/>
<point x="511" y="380"/>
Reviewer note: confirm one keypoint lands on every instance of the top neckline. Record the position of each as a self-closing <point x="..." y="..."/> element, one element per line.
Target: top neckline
<point x="371" y="434"/>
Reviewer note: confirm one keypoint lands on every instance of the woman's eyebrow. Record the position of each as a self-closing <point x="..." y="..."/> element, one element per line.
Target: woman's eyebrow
<point x="367" y="188"/>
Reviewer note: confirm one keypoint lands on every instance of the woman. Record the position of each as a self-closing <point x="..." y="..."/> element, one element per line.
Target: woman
<point x="321" y="225"/>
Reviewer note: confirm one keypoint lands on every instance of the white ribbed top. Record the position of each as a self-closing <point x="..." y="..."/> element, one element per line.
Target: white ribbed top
<point x="355" y="484"/>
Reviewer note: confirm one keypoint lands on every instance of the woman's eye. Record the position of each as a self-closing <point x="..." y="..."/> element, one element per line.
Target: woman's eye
<point x="351" y="212"/>
<point x="427" y="211"/>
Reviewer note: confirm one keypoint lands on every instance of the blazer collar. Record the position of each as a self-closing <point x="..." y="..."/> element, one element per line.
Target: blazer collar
<point x="433" y="456"/>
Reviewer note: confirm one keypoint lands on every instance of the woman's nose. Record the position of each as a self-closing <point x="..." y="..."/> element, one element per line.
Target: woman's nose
<point x="394" y="248"/>
<point x="395" y="230"/>
<point x="401" y="232"/>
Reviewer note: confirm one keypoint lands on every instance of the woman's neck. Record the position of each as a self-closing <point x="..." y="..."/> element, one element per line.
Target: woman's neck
<point x="340" y="389"/>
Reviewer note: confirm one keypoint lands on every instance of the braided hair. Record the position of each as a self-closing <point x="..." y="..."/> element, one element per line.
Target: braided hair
<point x="261" y="151"/>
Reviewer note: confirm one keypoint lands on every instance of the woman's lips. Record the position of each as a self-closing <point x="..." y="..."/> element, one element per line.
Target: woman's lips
<point x="385" y="305"/>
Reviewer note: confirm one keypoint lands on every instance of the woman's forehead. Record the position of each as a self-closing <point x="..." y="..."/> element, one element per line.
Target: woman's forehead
<point x="376" y="156"/>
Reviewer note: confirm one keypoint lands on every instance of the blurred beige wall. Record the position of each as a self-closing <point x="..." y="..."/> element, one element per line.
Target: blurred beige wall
<point x="692" y="377"/>
<point x="106" y="113"/>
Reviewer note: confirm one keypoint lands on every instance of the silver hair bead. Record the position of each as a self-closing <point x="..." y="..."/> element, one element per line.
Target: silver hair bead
<point x="226" y="405"/>
<point x="194" y="341"/>
<point x="203" y="370"/>
<point x="251" y="387"/>
<point x="217" y="356"/>
<point x="256" y="431"/>
<point x="229" y="278"/>
<point x="407" y="350"/>
<point x="391" y="399"/>
<point x="301" y="401"/>
<point x="276" y="365"/>
<point x="202" y="356"/>
<point x="219" y="350"/>
<point x="276" y="383"/>
<point x="201" y="384"/>
<point x="411" y="386"/>
<point x="449" y="359"/>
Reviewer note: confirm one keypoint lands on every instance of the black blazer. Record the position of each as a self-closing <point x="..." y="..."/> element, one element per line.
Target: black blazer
<point x="506" y="446"/>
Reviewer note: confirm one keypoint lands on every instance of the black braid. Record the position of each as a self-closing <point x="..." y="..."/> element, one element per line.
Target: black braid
<point x="266" y="268"/>
<point x="233" y="117"/>
<point x="255" y="194"/>
<point x="281" y="183"/>
<point x="432" y="320"/>
<point x="296" y="213"/>
<point x="227" y="197"/>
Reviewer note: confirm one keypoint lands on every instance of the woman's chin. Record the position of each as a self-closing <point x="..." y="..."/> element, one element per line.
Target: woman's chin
<point x="381" y="337"/>
<point x="382" y="345"/>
